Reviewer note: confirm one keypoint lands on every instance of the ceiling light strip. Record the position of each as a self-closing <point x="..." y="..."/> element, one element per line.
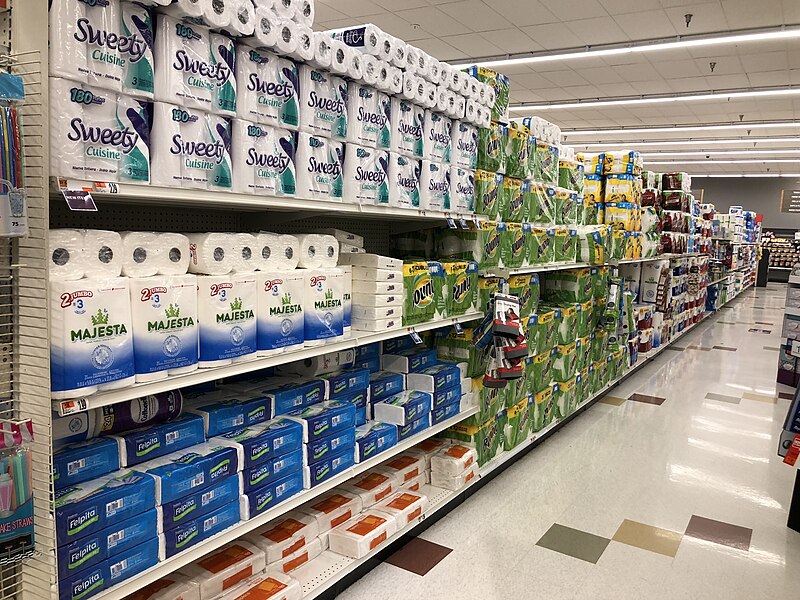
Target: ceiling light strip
<point x="748" y="151"/>
<point x="714" y="142"/>
<point x="743" y="161"/>
<point x="680" y="129"/>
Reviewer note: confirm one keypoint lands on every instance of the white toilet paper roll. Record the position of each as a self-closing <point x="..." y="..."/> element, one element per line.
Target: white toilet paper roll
<point x="366" y="38"/>
<point x="491" y="96"/>
<point x="65" y="252"/>
<point x="243" y="19"/>
<point x="399" y="56"/>
<point x="430" y="95"/>
<point x="244" y="253"/>
<point x="305" y="44"/>
<point x="466" y="88"/>
<point x="435" y="71"/>
<point x="443" y="73"/>
<point x="304" y="12"/>
<point x="395" y="81"/>
<point x="288" y="33"/>
<point x="318" y="251"/>
<point x="453" y="79"/>
<point x="285" y="9"/>
<point x="267" y="27"/>
<point x="475" y="88"/>
<point x="173" y="250"/>
<point x="217" y="14"/>
<point x="421" y="93"/>
<point x="442" y="99"/>
<point x="210" y="253"/>
<point x="383" y="76"/>
<point x="288" y="252"/>
<point x="370" y="68"/>
<point x="423" y="64"/>
<point x="355" y="70"/>
<point x="323" y="54"/>
<point x="461" y="104"/>
<point x="409" y="91"/>
<point x="340" y="58"/>
<point x="186" y="8"/>
<point x="103" y="252"/>
<point x="266" y="250"/>
<point x="470" y="111"/>
<point x="139" y="254"/>
<point x="387" y="48"/>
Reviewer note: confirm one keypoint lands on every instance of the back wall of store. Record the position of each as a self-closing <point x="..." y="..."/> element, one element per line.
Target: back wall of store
<point x="759" y="194"/>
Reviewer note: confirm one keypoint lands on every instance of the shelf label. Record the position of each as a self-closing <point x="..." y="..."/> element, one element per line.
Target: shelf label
<point x="415" y="336"/>
<point x="463" y="223"/>
<point x="459" y="329"/>
<point x="451" y="223"/>
<point x="69" y="407"/>
<point x="79" y="200"/>
<point x="793" y="452"/>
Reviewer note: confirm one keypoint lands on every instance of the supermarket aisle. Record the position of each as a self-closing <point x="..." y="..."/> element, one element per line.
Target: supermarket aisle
<point x="676" y="498"/>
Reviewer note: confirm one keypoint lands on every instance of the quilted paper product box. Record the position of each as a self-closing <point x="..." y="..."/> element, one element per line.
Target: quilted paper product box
<point x="153" y="441"/>
<point x="343" y="383"/>
<point x="403" y="408"/>
<point x="298" y="558"/>
<point x="286" y="395"/>
<point x="322" y="420"/>
<point x="453" y="460"/>
<point x="359" y="536"/>
<point x="445" y="412"/>
<point x="334" y="508"/>
<point x="272" y="585"/>
<point x="221" y="570"/>
<point x="266" y="497"/>
<point x="373" y="486"/>
<point x="230" y="413"/>
<point x="285" y="535"/>
<point x="405" y="507"/>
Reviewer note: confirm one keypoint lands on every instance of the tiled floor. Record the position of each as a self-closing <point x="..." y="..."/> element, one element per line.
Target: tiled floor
<point x="679" y="495"/>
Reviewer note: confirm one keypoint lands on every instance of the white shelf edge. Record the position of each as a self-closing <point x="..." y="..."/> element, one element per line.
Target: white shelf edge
<point x="357" y="338"/>
<point x="234" y="532"/>
<point x="578" y="265"/>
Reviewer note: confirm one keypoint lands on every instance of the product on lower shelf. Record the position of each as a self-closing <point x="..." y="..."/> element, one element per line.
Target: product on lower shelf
<point x="405" y="507"/>
<point x="194" y="531"/>
<point x="454" y="482"/>
<point x="224" y="568"/>
<point x="405" y="467"/>
<point x="359" y="536"/>
<point x="271" y="585"/>
<point x="452" y="460"/>
<point x="333" y="509"/>
<point x="374" y="437"/>
<point x="172" y="587"/>
<point x="298" y="558"/>
<point x="285" y="535"/>
<point x="372" y="486"/>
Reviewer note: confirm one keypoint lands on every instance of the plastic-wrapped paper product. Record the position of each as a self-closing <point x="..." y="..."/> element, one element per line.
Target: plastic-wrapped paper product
<point x="619" y="244"/>
<point x="594" y="164"/>
<point x="541" y="203"/>
<point x="526" y="288"/>
<point x="622" y="188"/>
<point x="676" y="181"/>
<point x="623" y="162"/>
<point x="488" y="189"/>
<point x="513" y="244"/>
<point x="541" y="246"/>
<point x="512" y="206"/>
<point x="517" y="148"/>
<point x="565" y="244"/>
<point x="492" y="142"/>
<point x="592" y="244"/>
<point x="650" y="219"/>
<point x="622" y="215"/>
<point x="500" y="85"/>
<point x="571" y="175"/>
<point x="546" y="163"/>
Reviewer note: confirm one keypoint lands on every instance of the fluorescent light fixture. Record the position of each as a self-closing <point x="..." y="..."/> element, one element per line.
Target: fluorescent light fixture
<point x="637" y="145"/>
<point x="715" y="175"/>
<point x="678" y="129"/>
<point x="658" y="100"/>
<point x="641" y="47"/>
<point x="725" y="162"/>
<point x="687" y="153"/>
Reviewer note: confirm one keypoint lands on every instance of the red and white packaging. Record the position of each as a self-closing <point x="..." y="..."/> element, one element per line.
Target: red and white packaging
<point x="222" y="570"/>
<point x="405" y="507"/>
<point x="454" y="483"/>
<point x="333" y="508"/>
<point x="297" y="559"/>
<point x="359" y="536"/>
<point x="453" y="460"/>
<point x="285" y="535"/>
<point x="405" y="466"/>
<point x="372" y="486"/>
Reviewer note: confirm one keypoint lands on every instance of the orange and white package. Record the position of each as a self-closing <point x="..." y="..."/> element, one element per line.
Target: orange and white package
<point x="372" y="486"/>
<point x="266" y="586"/>
<point x="454" y="460"/>
<point x="454" y="483"/>
<point x="333" y="508"/>
<point x="298" y="558"/>
<point x="222" y="570"/>
<point x="431" y="446"/>
<point x="285" y="535"/>
<point x="405" y="467"/>
<point x="405" y="506"/>
<point x="415" y="485"/>
<point x="359" y="536"/>
<point x="171" y="587"/>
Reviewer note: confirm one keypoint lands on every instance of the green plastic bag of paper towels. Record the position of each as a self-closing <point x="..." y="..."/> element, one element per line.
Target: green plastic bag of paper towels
<point x="517" y="426"/>
<point x="419" y="293"/>
<point x="488" y="189"/>
<point x="513" y="244"/>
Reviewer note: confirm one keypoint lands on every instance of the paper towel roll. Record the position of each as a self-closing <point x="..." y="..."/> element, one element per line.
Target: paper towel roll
<point x="409" y="91"/>
<point x="184" y="73"/>
<point x="139" y="254"/>
<point x="289" y="252"/>
<point x="173" y="254"/>
<point x="244" y="253"/>
<point x="383" y="76"/>
<point x="491" y="96"/>
<point x="217" y="14"/>
<point x="266" y="249"/>
<point x="323" y="105"/>
<point x="226" y="312"/>
<point x="323" y="54"/>
<point x="430" y="95"/>
<point x="280" y="311"/>
<point x="387" y="48"/>
<point x="305" y="44"/>
<point x="369" y="66"/>
<point x="407" y="122"/>
<point x="223" y="54"/>
<point x="435" y="71"/>
<point x="470" y="111"/>
<point x="210" y="253"/>
<point x="437" y="137"/>
<point x="366" y="175"/>
<point x="139" y="70"/>
<point x="355" y="70"/>
<point x="103" y="252"/>
<point x="277" y="252"/>
<point x="368" y="120"/>
<point x="340" y="57"/>
<point x="104" y="18"/>
<point x="323" y="305"/>
<point x="435" y="186"/>
<point x="288" y="32"/>
<point x="366" y="38"/>
<point x="243" y="19"/>
<point x="186" y="8"/>
<point x="395" y="81"/>
<point x="65" y="251"/>
<point x="305" y="12"/>
<point x="268" y="89"/>
<point x="67" y="53"/>
<point x="285" y="9"/>
<point x="318" y="251"/>
<point x="319" y="165"/>
<point x="267" y="25"/>
<point x="442" y="99"/>
<point x="398" y="59"/>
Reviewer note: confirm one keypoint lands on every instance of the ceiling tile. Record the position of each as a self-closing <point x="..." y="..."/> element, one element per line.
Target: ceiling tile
<point x="600" y="30"/>
<point x="524" y="12"/>
<point x="551" y="94"/>
<point x="652" y="87"/>
<point x="531" y="81"/>
<point x="677" y="69"/>
<point x="356" y="8"/>
<point x="743" y="14"/>
<point x="794" y="76"/>
<point x="600" y="76"/>
<point x="688" y="84"/>
<point x="334" y="24"/>
<point x="637" y="73"/>
<point x="472" y="45"/>
<point x="519" y="95"/>
<point x="617" y="89"/>
<point x="552" y="37"/>
<point x="707" y="17"/>
<point x="645" y="24"/>
<point x="725" y="65"/>
<point x="476" y="15"/>
<point x="767" y="78"/>
<point x="398" y="27"/>
<point x="432" y="20"/>
<point x="584" y="91"/>
<point x="569" y="10"/>
<point x="512" y="41"/>
<point x="618" y="7"/>
<point x="727" y="82"/>
<point x="324" y="12"/>
<point x="765" y="61"/>
<point x="565" y="77"/>
<point x="440" y="49"/>
<point x="395" y="5"/>
<point x="515" y="70"/>
<point x="791" y="11"/>
<point x="675" y="3"/>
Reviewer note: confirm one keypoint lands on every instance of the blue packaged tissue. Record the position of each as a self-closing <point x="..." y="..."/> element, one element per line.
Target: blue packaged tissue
<point x="88" y="507"/>
<point x="323" y="447"/>
<point x="359" y="400"/>
<point x="286" y="396"/>
<point x="94" y="549"/>
<point x="403" y="408"/>
<point x="445" y="412"/>
<point x="361" y="415"/>
<point x="230" y="413"/>
<point x="197" y="468"/>
<point x="322" y="420"/>
<point x="396" y="344"/>
<point x="408" y="361"/>
<point x="435" y="377"/>
<point x="83" y="461"/>
<point x="264" y="441"/>
<point x="447" y="396"/>
<point x="200" y="502"/>
<point x="344" y="383"/>
<point x="413" y="428"/>
<point x="153" y="441"/>
<point x="273" y="469"/>
<point x="384" y="384"/>
<point x="373" y="438"/>
<point x="195" y="530"/>
<point x="331" y="466"/>
<point x="368" y="350"/>
<point x="371" y="364"/>
<point x="266" y="497"/>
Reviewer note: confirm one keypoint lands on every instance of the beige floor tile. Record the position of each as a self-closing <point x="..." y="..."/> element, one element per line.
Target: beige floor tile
<point x="647" y="537"/>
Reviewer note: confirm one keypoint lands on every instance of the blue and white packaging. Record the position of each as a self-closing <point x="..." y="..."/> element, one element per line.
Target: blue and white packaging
<point x="273" y="469"/>
<point x="408" y="119"/>
<point x="366" y="175"/>
<point x="153" y="441"/>
<point x="408" y="361"/>
<point x="193" y="531"/>
<point x="88" y="507"/>
<point x="373" y="438"/>
<point x="384" y="384"/>
<point x="201" y="501"/>
<point x="77" y="427"/>
<point x="403" y="408"/>
<point x="371" y="363"/>
<point x="201" y="466"/>
<point x="231" y="412"/>
<point x="360" y="400"/>
<point x="345" y="383"/>
<point x="323" y="103"/>
<point x="326" y="419"/>
<point x="331" y="466"/>
<point x="448" y="396"/>
<point x="288" y="395"/>
<point x="368" y="350"/>
<point x="94" y="549"/>
<point x="264" y="441"/>
<point x="83" y="461"/>
<point x="323" y="304"/>
<point x="370" y="116"/>
<point x="395" y="345"/>
<point x="281" y="322"/>
<point x="406" y="431"/>
<point x="434" y="378"/>
<point x="268" y="88"/>
<point x="437" y="137"/>
<point x="321" y="448"/>
<point x="258" y="501"/>
<point x="263" y="159"/>
<point x="445" y="412"/>
<point x="464" y="145"/>
<point x="226" y="309"/>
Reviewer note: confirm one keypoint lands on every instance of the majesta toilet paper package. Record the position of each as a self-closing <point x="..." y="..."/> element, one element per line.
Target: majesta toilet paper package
<point x="408" y="120"/>
<point x="268" y="88"/>
<point x="319" y="166"/>
<point x="226" y="307"/>
<point x="280" y="310"/>
<point x="323" y="103"/>
<point x="366" y="175"/>
<point x="323" y="304"/>
<point x="263" y="159"/>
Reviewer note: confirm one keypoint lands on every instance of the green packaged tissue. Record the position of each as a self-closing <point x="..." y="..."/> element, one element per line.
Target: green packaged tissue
<point x="542" y="407"/>
<point x="517" y="425"/>
<point x="572" y="209"/>
<point x="592" y="242"/>
<point x="560" y="208"/>
<point x="565" y="246"/>
<point x="567" y="330"/>
<point x="543" y="369"/>
<point x="583" y="352"/>
<point x="619" y="244"/>
<point x="584" y="385"/>
<point x="573" y="285"/>
<point x="420" y="293"/>
<point x="513" y="245"/>
<point x="502" y="90"/>
<point x="545" y="325"/>
<point x="565" y="398"/>
<point x="460" y="289"/>
<point x="546" y="163"/>
<point x="458" y="347"/>
<point x="517" y="159"/>
<point x="482" y="244"/>
<point x="584" y="313"/>
<point x="571" y="175"/>
<point x="487" y="286"/>
<point x="526" y="288"/>
<point x="512" y="205"/>
<point x="564" y="362"/>
<point x="492" y="143"/>
<point x="485" y="438"/>
<point x="541" y="203"/>
<point x="488" y="188"/>
<point x="540" y="245"/>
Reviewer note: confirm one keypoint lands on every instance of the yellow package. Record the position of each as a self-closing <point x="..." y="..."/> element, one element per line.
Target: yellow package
<point x="621" y="215"/>
<point x="622" y="188"/>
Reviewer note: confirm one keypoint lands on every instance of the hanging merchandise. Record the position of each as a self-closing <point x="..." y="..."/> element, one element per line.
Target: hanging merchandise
<point x="16" y="490"/>
<point x="13" y="201"/>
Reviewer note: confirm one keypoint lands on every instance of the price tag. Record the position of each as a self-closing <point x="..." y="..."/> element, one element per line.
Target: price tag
<point x="793" y="452"/>
<point x="477" y="222"/>
<point x="69" y="407"/>
<point x="451" y="223"/>
<point x="794" y="349"/>
<point x="106" y="187"/>
<point x="463" y="223"/>
<point x="79" y="200"/>
<point x="415" y="336"/>
<point x="459" y="329"/>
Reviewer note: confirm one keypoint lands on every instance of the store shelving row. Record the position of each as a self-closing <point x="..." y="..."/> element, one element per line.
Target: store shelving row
<point x="564" y="266"/>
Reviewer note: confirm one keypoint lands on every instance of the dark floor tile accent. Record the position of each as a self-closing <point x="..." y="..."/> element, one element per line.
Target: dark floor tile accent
<point x="719" y="532"/>
<point x="613" y="400"/>
<point x="755" y="330"/>
<point x="759" y="397"/>
<point x="762" y="323"/>
<point x="725" y="348"/>
<point x="773" y="348"/>
<point x="419" y="556"/>
<point x="723" y="398"/>
<point x="657" y="400"/>
<point x="727" y="322"/>
<point x="575" y="543"/>
<point x="675" y="348"/>
<point x="785" y="395"/>
<point x="696" y="347"/>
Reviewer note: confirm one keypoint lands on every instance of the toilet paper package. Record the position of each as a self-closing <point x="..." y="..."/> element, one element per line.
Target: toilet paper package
<point x="263" y="159"/>
<point x="90" y="335"/>
<point x="103" y="253"/>
<point x="173" y="254"/>
<point x="244" y="253"/>
<point x="226" y="310"/>
<point x="77" y="427"/>
<point x="370" y="115"/>
<point x="191" y="148"/>
<point x="347" y="296"/>
<point x="405" y="179"/>
<point x="277" y="252"/>
<point x="146" y="443"/>
<point x="323" y="103"/>
<point x="83" y="461"/>
<point x="165" y="333"/>
<point x="198" y="529"/>
<point x="268" y="88"/>
<point x="66" y="259"/>
<point x="464" y="145"/>
<point x="98" y="134"/>
<point x="367" y="38"/>
<point x="148" y="410"/>
<point x="435" y="186"/>
<point x="318" y="251"/>
<point x="280" y="310"/>
<point x="366" y="175"/>
<point x="323" y="305"/>
<point x="437" y="140"/>
<point x="138" y="253"/>
<point x="319" y="167"/>
<point x="406" y="127"/>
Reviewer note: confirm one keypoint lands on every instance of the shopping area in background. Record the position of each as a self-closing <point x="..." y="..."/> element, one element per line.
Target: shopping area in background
<point x="352" y="116"/>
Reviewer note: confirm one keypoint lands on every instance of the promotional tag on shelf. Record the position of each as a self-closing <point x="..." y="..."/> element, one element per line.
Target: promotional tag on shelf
<point x="476" y="221"/>
<point x="68" y="407"/>
<point x="451" y="223"/>
<point x="464" y="224"/>
<point x="793" y="452"/>
<point x="106" y="187"/>
<point x="415" y="336"/>
<point x="459" y="329"/>
<point x="79" y="200"/>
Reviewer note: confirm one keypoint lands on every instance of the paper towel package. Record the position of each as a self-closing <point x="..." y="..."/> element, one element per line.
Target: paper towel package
<point x="268" y="88"/>
<point x="323" y="104"/>
<point x="201" y="501"/>
<point x="405" y="178"/>
<point x="464" y="145"/>
<point x="323" y="305"/>
<point x="280" y="310"/>
<point x="405" y="507"/>
<point x="90" y="335"/>
<point x="263" y="159"/>
<point x="319" y="166"/>
<point x="366" y="175"/>
<point x="435" y="186"/>
<point x="98" y="134"/>
<point x="191" y="148"/>
<point x="462" y="189"/>
<point x="437" y="137"/>
<point x="406" y="128"/>
<point x="369" y="114"/>
<point x="226" y="309"/>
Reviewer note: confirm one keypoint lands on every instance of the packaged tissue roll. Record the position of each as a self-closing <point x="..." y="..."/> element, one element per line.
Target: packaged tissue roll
<point x="517" y="160"/>
<point x="464" y="145"/>
<point x="492" y="142"/>
<point x="460" y="288"/>
<point x="488" y="189"/>
<point x="437" y="137"/>
<point x="435" y="186"/>
<point x="462" y="189"/>
<point x="323" y="305"/>
<point x="622" y="188"/>
<point x="625" y="162"/>
<point x="543" y="204"/>
<point x="405" y="175"/>
<point x="263" y="159"/>
<point x="98" y="135"/>
<point x="546" y="163"/>
<point x="370" y="113"/>
<point x="541" y="247"/>
<point x="501" y="86"/>
<point x="408" y="120"/>
<point x="268" y="88"/>
<point x="191" y="148"/>
<point x="514" y="244"/>
<point x="570" y="175"/>
<point x="280" y="310"/>
<point x="366" y="175"/>
<point x="420" y="299"/>
<point x="319" y="167"/>
<point x="512" y="205"/>
<point x="323" y="103"/>
<point x="226" y="306"/>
